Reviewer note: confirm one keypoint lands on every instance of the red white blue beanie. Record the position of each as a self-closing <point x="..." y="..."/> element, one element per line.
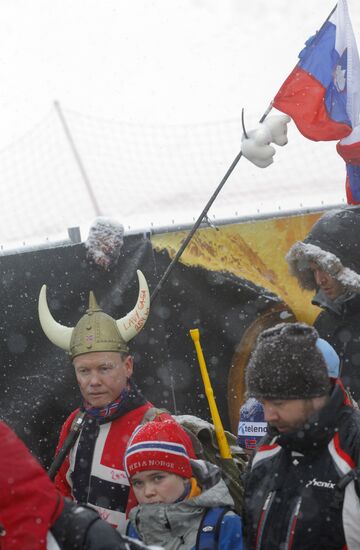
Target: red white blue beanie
<point x="252" y="426"/>
<point x="159" y="445"/>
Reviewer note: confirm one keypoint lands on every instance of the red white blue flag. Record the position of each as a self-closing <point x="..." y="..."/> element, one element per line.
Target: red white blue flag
<point x="322" y="93"/>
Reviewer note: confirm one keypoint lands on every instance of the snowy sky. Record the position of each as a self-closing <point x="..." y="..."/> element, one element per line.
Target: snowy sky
<point x="150" y="61"/>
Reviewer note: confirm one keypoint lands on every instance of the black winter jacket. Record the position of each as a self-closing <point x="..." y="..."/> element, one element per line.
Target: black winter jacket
<point x="342" y="330"/>
<point x="292" y="500"/>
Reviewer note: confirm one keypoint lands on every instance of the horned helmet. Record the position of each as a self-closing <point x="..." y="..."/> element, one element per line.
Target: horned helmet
<point x="96" y="331"/>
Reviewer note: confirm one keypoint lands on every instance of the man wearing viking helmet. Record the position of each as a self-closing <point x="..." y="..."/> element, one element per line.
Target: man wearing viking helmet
<point x="93" y="471"/>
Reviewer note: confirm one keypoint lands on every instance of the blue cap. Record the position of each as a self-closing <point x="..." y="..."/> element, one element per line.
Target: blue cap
<point x="252" y="425"/>
<point x="331" y="357"/>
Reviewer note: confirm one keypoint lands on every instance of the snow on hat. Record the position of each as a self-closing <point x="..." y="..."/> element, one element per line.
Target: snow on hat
<point x="252" y="425"/>
<point x="104" y="242"/>
<point x="331" y="357"/>
<point x="286" y="364"/>
<point x="159" y="445"/>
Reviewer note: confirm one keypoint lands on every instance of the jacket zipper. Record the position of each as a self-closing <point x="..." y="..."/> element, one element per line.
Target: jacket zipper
<point x="263" y="516"/>
<point x="292" y="524"/>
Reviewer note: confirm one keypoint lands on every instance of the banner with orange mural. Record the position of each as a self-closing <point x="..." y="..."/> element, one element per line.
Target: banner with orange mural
<point x="254" y="250"/>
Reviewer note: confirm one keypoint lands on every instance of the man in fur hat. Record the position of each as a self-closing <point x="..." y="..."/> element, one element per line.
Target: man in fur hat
<point x="302" y="489"/>
<point x="112" y="407"/>
<point x="328" y="261"/>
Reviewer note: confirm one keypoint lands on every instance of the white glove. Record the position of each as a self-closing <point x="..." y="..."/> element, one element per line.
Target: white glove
<point x="256" y="147"/>
<point x="277" y="125"/>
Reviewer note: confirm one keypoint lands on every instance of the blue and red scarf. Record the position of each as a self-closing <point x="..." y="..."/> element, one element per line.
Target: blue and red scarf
<point x="130" y="398"/>
<point x="109" y="409"/>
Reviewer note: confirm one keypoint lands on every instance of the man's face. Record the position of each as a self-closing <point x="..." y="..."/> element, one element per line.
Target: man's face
<point x="288" y="415"/>
<point x="153" y="486"/>
<point x="330" y="286"/>
<point x="102" y="375"/>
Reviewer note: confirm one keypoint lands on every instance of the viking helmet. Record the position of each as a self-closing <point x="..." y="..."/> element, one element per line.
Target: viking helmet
<point x="96" y="331"/>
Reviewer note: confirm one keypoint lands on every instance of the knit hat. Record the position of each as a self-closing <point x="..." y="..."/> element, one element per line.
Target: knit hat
<point x="331" y="357"/>
<point x="286" y="364"/>
<point x="252" y="425"/>
<point x="159" y="445"/>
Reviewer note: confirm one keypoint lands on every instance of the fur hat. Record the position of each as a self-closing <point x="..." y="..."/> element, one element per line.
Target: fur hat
<point x="334" y="246"/>
<point x="287" y="364"/>
<point x="252" y="425"/>
<point x="159" y="445"/>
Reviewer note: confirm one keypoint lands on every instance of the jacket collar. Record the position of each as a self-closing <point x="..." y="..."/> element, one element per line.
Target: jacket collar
<point x="348" y="302"/>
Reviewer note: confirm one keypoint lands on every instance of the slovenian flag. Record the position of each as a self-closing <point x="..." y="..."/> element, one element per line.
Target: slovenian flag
<point x="322" y="94"/>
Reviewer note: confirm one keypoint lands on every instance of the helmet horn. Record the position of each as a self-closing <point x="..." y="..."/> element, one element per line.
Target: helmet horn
<point x="57" y="334"/>
<point x="130" y="325"/>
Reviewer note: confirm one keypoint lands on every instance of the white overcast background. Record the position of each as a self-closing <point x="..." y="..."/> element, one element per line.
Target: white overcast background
<point x="165" y="62"/>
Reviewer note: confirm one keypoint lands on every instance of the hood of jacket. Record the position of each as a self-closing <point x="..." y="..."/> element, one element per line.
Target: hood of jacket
<point x="174" y="526"/>
<point x="334" y="245"/>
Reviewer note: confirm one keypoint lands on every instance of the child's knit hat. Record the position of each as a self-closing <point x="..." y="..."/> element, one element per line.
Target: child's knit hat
<point x="159" y="445"/>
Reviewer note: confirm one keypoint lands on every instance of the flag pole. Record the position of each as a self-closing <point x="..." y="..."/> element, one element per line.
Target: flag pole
<point x="317" y="33"/>
<point x="202" y="216"/>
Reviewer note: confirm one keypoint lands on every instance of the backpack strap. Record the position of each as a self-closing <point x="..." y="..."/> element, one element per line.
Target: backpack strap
<point x="151" y="414"/>
<point x="353" y="475"/>
<point x="131" y="531"/>
<point x="209" y="530"/>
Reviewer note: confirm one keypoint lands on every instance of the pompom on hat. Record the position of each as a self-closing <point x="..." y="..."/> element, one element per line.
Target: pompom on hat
<point x="287" y="364"/>
<point x="159" y="445"/>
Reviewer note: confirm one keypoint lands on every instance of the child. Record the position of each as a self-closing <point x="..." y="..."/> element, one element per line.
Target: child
<point x="183" y="503"/>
